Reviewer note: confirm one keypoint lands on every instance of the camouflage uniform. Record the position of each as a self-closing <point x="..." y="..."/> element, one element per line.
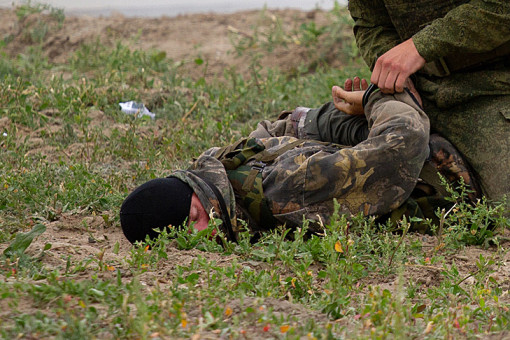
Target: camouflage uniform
<point x="374" y="177"/>
<point x="466" y="82"/>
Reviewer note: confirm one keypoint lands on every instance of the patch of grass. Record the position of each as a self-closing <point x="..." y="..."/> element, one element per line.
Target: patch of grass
<point x="68" y="151"/>
<point x="35" y="20"/>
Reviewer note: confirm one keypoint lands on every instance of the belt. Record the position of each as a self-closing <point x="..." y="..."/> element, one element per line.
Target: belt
<point x="445" y="66"/>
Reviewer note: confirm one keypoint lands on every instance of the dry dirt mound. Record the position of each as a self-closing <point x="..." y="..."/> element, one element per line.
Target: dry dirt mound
<point x="182" y="38"/>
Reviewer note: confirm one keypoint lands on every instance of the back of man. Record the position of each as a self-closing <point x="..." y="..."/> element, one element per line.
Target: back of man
<point x="304" y="178"/>
<point x="273" y="178"/>
<point x="466" y="81"/>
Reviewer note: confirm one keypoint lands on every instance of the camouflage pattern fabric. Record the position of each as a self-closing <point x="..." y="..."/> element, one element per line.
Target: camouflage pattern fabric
<point x="373" y="177"/>
<point x="212" y="170"/>
<point x="427" y="197"/>
<point x="439" y="28"/>
<point x="325" y="123"/>
<point x="450" y="164"/>
<point x="253" y="201"/>
<point x="470" y="107"/>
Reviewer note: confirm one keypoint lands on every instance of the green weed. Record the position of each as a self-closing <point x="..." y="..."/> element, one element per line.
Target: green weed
<point x="69" y="152"/>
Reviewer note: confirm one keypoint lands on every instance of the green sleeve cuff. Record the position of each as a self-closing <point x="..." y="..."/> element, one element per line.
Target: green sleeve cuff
<point x="426" y="48"/>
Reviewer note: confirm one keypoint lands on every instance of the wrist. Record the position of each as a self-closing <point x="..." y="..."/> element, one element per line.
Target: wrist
<point x="423" y="49"/>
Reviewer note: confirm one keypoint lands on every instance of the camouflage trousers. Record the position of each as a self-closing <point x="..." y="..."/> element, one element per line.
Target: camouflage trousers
<point x="479" y="129"/>
<point x="328" y="124"/>
<point x="374" y="177"/>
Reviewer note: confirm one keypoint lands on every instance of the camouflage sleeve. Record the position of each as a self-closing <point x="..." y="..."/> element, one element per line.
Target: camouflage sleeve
<point x="278" y="128"/>
<point x="475" y="27"/>
<point x="286" y="125"/>
<point x="373" y="29"/>
<point x="209" y="152"/>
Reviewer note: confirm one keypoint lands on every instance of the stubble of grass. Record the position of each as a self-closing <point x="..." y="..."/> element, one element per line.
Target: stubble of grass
<point x="67" y="150"/>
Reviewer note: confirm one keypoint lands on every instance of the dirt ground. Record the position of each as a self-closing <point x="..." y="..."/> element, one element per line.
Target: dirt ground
<point x="183" y="38"/>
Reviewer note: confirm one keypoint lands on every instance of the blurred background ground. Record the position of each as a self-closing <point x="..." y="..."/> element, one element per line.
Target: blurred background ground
<point x="157" y="8"/>
<point x="182" y="38"/>
<point x="69" y="158"/>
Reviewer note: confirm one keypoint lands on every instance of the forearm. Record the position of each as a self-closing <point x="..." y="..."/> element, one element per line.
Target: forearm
<point x="325" y="124"/>
<point x="475" y="27"/>
<point x="283" y="126"/>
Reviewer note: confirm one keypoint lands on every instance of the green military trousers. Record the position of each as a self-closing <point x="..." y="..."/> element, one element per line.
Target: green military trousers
<point x="480" y="129"/>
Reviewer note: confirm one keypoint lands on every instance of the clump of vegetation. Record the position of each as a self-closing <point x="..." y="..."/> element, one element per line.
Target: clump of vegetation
<point x="35" y="21"/>
<point x="69" y="152"/>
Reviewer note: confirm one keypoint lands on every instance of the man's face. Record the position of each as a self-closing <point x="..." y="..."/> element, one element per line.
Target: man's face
<point x="198" y="214"/>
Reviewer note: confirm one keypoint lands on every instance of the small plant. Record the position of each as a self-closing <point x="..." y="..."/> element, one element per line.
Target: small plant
<point x="36" y="20"/>
<point x="69" y="157"/>
<point x="471" y="224"/>
<point x="148" y="253"/>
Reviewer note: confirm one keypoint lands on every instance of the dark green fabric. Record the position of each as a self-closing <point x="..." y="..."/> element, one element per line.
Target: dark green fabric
<point x="469" y="107"/>
<point x="481" y="132"/>
<point x="327" y="124"/>
<point x="246" y="180"/>
<point x="253" y="201"/>
<point x="240" y="152"/>
<point x="439" y="28"/>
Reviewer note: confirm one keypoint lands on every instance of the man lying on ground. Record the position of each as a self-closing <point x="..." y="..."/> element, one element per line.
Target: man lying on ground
<point x="296" y="167"/>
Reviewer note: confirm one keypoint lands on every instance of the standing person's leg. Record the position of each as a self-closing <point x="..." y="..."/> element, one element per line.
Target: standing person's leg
<point x="480" y="129"/>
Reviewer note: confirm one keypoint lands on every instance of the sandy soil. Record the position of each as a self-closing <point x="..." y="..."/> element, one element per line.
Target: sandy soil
<point x="183" y="38"/>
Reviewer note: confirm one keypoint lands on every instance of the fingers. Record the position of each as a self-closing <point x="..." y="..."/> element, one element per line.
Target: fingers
<point x="384" y="78"/>
<point x="333" y="94"/>
<point x="392" y="69"/>
<point x="364" y="84"/>
<point x="338" y="99"/>
<point x="386" y="72"/>
<point x="341" y="94"/>
<point x="400" y="83"/>
<point x="348" y="84"/>
<point x="376" y="73"/>
<point x="357" y="84"/>
<point x="349" y="102"/>
<point x="390" y="82"/>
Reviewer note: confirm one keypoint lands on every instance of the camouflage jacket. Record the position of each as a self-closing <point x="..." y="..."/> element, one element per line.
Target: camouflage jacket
<point x="450" y="35"/>
<point x="373" y="177"/>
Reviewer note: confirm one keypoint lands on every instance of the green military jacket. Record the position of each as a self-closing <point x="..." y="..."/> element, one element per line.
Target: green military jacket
<point x="373" y="178"/>
<point x="461" y="40"/>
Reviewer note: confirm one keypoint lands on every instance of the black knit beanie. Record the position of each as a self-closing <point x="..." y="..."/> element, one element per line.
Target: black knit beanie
<point x="157" y="203"/>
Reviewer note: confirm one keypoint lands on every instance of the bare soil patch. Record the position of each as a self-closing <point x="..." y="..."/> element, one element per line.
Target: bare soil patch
<point x="183" y="39"/>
